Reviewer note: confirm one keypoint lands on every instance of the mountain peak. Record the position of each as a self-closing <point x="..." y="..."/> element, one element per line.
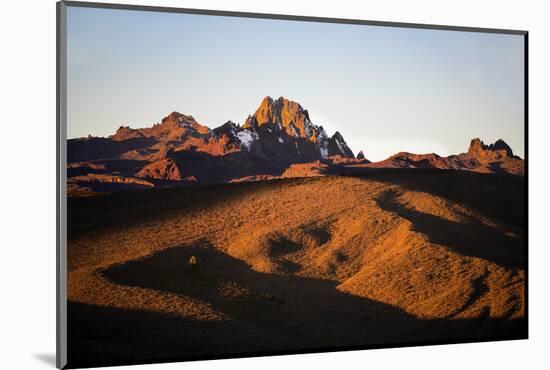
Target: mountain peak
<point x="178" y="118"/>
<point x="502" y="145"/>
<point x="281" y="101"/>
<point x="480" y="150"/>
<point x="289" y="118"/>
<point x="126" y="133"/>
<point x="230" y="124"/>
<point x="476" y="145"/>
<point x="280" y="114"/>
<point x="267" y="101"/>
<point x="228" y="127"/>
<point x="338" y="146"/>
<point x="176" y="121"/>
<point x="174" y="114"/>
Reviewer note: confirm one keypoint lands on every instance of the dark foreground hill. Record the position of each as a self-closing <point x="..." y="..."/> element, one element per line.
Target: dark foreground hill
<point x="382" y="257"/>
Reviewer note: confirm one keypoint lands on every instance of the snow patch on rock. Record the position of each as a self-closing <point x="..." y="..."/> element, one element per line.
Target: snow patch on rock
<point x="340" y="148"/>
<point x="247" y="138"/>
<point x="294" y="131"/>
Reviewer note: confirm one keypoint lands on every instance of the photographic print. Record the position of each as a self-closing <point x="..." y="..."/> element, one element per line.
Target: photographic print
<point x="241" y="185"/>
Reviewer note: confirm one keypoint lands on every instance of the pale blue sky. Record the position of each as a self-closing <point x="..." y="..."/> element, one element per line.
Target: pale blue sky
<point x="385" y="89"/>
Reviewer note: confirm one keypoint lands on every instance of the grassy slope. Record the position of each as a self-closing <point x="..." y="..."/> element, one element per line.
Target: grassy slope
<point x="385" y="257"/>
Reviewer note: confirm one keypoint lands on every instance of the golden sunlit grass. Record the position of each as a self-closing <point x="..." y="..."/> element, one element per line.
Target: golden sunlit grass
<point x="299" y="263"/>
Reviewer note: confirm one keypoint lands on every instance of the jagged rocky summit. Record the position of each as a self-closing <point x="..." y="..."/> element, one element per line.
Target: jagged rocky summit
<point x="278" y="134"/>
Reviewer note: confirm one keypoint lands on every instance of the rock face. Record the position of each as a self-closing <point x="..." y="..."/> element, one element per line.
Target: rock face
<point x="285" y="124"/>
<point x="316" y="168"/>
<point x="337" y="146"/>
<point x="360" y="155"/>
<point x="126" y="133"/>
<point x="284" y="116"/>
<point x="233" y="138"/>
<point x="165" y="169"/>
<point x="496" y="151"/>
<point x="176" y="127"/>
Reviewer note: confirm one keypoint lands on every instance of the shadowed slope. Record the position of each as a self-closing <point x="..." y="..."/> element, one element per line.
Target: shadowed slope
<point x="105" y="336"/>
<point x="297" y="264"/>
<point x="468" y="237"/>
<point x="265" y="313"/>
<point x="495" y="196"/>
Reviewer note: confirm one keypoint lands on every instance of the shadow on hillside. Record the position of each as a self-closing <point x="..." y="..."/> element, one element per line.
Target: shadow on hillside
<point x="115" y="210"/>
<point x="97" y="148"/>
<point x="298" y="307"/>
<point x="493" y="195"/>
<point x="266" y="313"/>
<point x="208" y="168"/>
<point x="470" y="238"/>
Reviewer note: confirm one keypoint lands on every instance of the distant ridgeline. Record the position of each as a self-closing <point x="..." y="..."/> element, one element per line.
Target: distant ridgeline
<point x="278" y="140"/>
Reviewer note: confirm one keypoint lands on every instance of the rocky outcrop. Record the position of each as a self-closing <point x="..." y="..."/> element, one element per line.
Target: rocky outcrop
<point x="176" y="127"/>
<point x="496" y="151"/>
<point x="283" y="115"/>
<point x="165" y="169"/>
<point x="126" y="133"/>
<point x="313" y="169"/>
<point x="337" y="146"/>
<point x="233" y="137"/>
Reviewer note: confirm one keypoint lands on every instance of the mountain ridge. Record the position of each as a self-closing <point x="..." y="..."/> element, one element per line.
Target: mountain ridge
<point x="278" y="140"/>
<point x="282" y="119"/>
<point x="497" y="157"/>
